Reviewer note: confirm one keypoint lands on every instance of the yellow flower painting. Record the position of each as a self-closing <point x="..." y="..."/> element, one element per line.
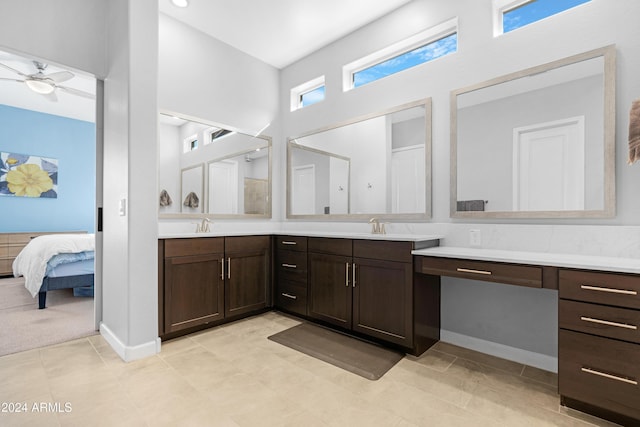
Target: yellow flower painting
<point x="29" y="180"/>
<point x="28" y="176"/>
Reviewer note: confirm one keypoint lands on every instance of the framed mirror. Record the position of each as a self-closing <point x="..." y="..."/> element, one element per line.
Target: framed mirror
<point x="539" y="143"/>
<point x="373" y="166"/>
<point x="226" y="171"/>
<point x="191" y="186"/>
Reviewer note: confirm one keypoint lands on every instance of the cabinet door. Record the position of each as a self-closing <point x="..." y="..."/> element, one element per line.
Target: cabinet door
<point x="247" y="274"/>
<point x="330" y="288"/>
<point x="382" y="300"/>
<point x="193" y="291"/>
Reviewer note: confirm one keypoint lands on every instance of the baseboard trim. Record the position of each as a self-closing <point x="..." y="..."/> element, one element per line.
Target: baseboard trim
<point x="129" y="353"/>
<point x="537" y="360"/>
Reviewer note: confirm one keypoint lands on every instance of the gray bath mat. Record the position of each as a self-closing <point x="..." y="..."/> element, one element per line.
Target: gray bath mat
<point x="359" y="357"/>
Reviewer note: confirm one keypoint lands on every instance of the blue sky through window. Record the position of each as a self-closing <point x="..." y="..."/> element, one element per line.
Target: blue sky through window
<point x="535" y="11"/>
<point x="426" y="53"/>
<point x="311" y="97"/>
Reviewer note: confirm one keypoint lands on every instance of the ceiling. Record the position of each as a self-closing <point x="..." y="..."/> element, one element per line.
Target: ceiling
<point x="279" y="32"/>
<point x="17" y="94"/>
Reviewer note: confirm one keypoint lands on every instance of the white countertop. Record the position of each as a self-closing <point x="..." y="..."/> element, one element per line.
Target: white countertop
<point x="333" y="234"/>
<point x="587" y="262"/>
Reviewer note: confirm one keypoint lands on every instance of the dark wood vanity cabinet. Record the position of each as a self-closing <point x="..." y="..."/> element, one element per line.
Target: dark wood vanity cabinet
<point x="207" y="280"/>
<point x="247" y="273"/>
<point x="363" y="285"/>
<point x="599" y="343"/>
<point x="291" y="274"/>
<point x="192" y="287"/>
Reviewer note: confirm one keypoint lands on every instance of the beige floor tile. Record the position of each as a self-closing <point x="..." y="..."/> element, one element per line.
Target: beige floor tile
<point x="234" y="376"/>
<point x="550" y="378"/>
<point x="533" y="392"/>
<point x="485" y="359"/>
<point x="29" y="419"/>
<point x="509" y="410"/>
<point x="453" y="389"/>
<point x="434" y="359"/>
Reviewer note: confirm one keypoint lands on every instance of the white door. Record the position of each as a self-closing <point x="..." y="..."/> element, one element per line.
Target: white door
<point x="408" y="186"/>
<point x="303" y="190"/>
<point x="548" y="166"/>
<point x="223" y="187"/>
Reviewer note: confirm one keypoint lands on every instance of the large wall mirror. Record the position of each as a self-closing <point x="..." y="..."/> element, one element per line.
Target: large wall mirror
<point x="208" y="170"/>
<point x="373" y="166"/>
<point x="539" y="143"/>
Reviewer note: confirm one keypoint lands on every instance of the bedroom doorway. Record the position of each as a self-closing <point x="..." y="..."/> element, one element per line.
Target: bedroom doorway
<point x="60" y="122"/>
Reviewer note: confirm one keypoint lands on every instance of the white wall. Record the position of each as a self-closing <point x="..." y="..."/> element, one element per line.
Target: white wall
<point x="486" y="313"/>
<point x="203" y="77"/>
<point x="130" y="291"/>
<point x="67" y="32"/>
<point x="115" y="41"/>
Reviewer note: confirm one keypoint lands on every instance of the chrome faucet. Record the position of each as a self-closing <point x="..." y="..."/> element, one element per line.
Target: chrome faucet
<point x="377" y="227"/>
<point x="203" y="227"/>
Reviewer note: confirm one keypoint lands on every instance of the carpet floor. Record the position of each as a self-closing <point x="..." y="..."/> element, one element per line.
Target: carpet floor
<point x="24" y="327"/>
<point x="368" y="360"/>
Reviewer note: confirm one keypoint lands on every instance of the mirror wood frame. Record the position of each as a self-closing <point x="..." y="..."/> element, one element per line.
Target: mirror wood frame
<point x="267" y="143"/>
<point x="608" y="53"/>
<point x="291" y="143"/>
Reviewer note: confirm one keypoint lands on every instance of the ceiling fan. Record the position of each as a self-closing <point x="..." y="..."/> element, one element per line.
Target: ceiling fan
<point x="46" y="84"/>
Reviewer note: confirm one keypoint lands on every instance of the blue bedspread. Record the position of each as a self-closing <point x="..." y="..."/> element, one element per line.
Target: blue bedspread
<point x="66" y="258"/>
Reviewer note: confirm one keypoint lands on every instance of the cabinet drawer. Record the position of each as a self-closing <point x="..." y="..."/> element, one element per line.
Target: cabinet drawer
<point x="385" y="250"/>
<point x="331" y="246"/>
<point x="604" y="288"/>
<point x="6" y="266"/>
<point x="600" y="371"/>
<point x="195" y="246"/>
<point x="291" y="297"/>
<point x="611" y="322"/>
<point x="292" y="265"/>
<point x="515" y="274"/>
<point x="291" y="243"/>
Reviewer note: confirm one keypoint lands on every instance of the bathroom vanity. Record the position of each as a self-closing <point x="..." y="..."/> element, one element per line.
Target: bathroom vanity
<point x="363" y="284"/>
<point x="598" y="318"/>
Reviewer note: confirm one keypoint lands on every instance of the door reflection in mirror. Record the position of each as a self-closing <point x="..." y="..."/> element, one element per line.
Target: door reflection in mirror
<point x="376" y="165"/>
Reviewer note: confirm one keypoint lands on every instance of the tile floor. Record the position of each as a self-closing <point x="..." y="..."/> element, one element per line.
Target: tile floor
<point x="233" y="375"/>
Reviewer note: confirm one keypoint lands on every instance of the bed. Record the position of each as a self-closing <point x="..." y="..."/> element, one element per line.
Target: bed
<point x="57" y="261"/>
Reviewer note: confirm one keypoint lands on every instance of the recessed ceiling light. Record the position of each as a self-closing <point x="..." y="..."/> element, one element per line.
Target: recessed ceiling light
<point x="180" y="3"/>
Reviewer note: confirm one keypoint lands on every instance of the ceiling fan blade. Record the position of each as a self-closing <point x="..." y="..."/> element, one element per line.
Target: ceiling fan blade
<point x="60" y="76"/>
<point x="13" y="69"/>
<point x="11" y="80"/>
<point x="77" y="92"/>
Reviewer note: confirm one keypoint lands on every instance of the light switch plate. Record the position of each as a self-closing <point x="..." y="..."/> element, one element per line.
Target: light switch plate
<point x="475" y="238"/>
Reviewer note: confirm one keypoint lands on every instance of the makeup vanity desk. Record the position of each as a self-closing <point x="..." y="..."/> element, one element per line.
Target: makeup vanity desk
<point x="598" y="317"/>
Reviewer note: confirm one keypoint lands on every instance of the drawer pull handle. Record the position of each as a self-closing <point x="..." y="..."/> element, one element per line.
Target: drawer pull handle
<point x="469" y="270"/>
<point x="613" y="291"/>
<point x="290" y="265"/>
<point x="608" y="323"/>
<point x="287" y="242"/>
<point x="346" y="275"/>
<point x="289" y="296"/>
<point x="611" y="377"/>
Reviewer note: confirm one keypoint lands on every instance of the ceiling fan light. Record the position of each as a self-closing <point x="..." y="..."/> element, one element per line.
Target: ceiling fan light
<point x="180" y="3"/>
<point x="40" y="86"/>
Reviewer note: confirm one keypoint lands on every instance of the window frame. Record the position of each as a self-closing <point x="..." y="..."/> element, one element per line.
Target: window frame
<point x="187" y="143"/>
<point x="500" y="7"/>
<point x="209" y="131"/>
<point x="421" y="39"/>
<point x="304" y="88"/>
